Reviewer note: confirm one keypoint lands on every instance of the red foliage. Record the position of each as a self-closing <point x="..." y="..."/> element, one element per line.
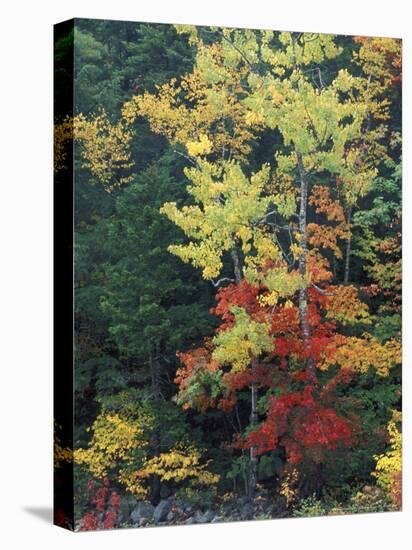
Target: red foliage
<point x="302" y="420"/>
<point x="243" y="295"/>
<point x="227" y="404"/>
<point x="90" y="522"/>
<point x="300" y="423"/>
<point x="261" y="375"/>
<point x="104" y="504"/>
<point x="322" y="426"/>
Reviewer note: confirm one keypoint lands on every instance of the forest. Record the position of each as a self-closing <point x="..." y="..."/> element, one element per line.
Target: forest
<point x="237" y="273"/>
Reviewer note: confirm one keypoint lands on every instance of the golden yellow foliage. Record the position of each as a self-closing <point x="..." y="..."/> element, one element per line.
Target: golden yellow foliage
<point x="388" y="470"/>
<point x="62" y="454"/>
<point x="114" y="441"/>
<point x="246" y="339"/>
<point x="227" y="206"/>
<point x="361" y="354"/>
<point x="180" y="464"/>
<point x="104" y="147"/>
<point x="114" y="449"/>
<point x="203" y="108"/>
<point x="343" y="304"/>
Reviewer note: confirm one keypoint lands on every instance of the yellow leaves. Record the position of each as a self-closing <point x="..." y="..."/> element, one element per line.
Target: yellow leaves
<point x="104" y="147"/>
<point x="264" y="249"/>
<point x="120" y="446"/>
<point x="227" y="207"/>
<point x="63" y="138"/>
<point x="344" y="81"/>
<point x="381" y="61"/>
<point x="361" y="354"/>
<point x="245" y="340"/>
<point x="203" y="103"/>
<point x="190" y="30"/>
<point x="322" y="235"/>
<point x="279" y="282"/>
<point x="180" y="464"/>
<point x="135" y="482"/>
<point x="289" y="485"/>
<point x="199" y="148"/>
<point x="61" y="454"/>
<point x="388" y="470"/>
<point x="342" y="304"/>
<point x="114" y="439"/>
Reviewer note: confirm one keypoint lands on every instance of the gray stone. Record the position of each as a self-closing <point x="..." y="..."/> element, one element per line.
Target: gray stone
<point x="170" y="516"/>
<point x="165" y="492"/>
<point x="161" y="510"/>
<point x="247" y="511"/>
<point x="144" y="510"/>
<point x="241" y="501"/>
<point x="217" y="519"/>
<point x="127" y="505"/>
<point x="190" y="521"/>
<point x="206" y="517"/>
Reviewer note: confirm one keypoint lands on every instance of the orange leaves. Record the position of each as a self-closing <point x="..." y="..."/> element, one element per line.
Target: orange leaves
<point x="382" y="58"/>
<point x="322" y="235"/>
<point x="318" y="267"/>
<point x="342" y="304"/>
<point x="321" y="199"/>
<point x="361" y="354"/>
<point x="194" y="360"/>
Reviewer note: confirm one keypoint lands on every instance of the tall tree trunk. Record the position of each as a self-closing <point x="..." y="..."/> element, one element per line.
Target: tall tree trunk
<point x="236" y="265"/>
<point x="253" y="461"/>
<point x="303" y="244"/>
<point x="348" y="247"/>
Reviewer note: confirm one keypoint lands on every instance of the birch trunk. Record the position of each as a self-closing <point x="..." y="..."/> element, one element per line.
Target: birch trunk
<point x="252" y="473"/>
<point x="348" y="248"/>
<point x="303" y="244"/>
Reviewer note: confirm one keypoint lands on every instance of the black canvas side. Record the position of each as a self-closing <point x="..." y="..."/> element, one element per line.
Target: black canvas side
<point x="63" y="283"/>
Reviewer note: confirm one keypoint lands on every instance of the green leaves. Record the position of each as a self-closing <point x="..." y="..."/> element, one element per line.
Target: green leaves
<point x="238" y="345"/>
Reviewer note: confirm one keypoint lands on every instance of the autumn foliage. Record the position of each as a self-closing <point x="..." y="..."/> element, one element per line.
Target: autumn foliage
<point x="251" y="311"/>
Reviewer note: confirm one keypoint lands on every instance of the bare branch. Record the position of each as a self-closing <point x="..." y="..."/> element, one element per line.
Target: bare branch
<point x="324" y="292"/>
<point x="190" y="159"/>
<point x="220" y="281"/>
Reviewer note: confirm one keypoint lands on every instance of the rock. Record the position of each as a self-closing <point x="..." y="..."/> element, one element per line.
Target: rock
<point x="142" y="522"/>
<point x="161" y="510"/>
<point x="198" y="516"/>
<point x="127" y="505"/>
<point x="144" y="510"/>
<point x="165" y="492"/>
<point x="170" y="516"/>
<point x="217" y="519"/>
<point x="190" y="521"/>
<point x="269" y="508"/>
<point x="247" y="511"/>
<point x="242" y="501"/>
<point x="207" y="516"/>
<point x="228" y="508"/>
